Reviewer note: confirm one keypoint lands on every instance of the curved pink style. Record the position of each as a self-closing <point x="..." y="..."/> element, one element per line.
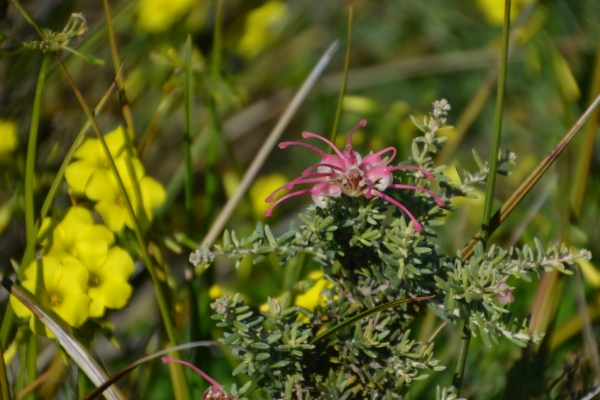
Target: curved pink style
<point x="347" y="172"/>
<point x="215" y="391"/>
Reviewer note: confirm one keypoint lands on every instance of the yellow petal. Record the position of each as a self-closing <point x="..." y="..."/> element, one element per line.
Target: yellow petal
<point x="590" y="273"/>
<point x="102" y="186"/>
<point x="74" y="277"/>
<point x="112" y="213"/>
<point x="49" y="268"/>
<point x="116" y="141"/>
<point x="90" y="151"/>
<point x="19" y="308"/>
<point x="92" y="253"/>
<point x="118" y="264"/>
<point x="78" y="174"/>
<point x="99" y="232"/>
<point x="74" y="308"/>
<point x="153" y="192"/>
<point x="112" y="294"/>
<point x="122" y="165"/>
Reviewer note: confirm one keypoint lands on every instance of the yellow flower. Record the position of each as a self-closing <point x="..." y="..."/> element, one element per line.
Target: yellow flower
<point x="111" y="205"/>
<point x="493" y="10"/>
<point x="216" y="291"/>
<point x="310" y="298"/>
<point x="74" y="234"/>
<point x="109" y="270"/>
<point x="59" y="287"/>
<point x="313" y="297"/>
<point x="92" y="159"/>
<point x="262" y="26"/>
<point x="159" y="15"/>
<point x="262" y="187"/>
<point x="8" y="137"/>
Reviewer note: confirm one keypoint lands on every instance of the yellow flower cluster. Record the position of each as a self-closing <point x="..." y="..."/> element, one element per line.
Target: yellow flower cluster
<point x="91" y="175"/>
<point x="81" y="273"/>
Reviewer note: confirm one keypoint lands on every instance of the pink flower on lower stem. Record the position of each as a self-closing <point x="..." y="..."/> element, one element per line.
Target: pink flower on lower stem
<point x="347" y="172"/>
<point x="215" y="392"/>
<point x="505" y="296"/>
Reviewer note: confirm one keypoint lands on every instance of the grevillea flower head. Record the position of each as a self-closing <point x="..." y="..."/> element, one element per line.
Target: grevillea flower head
<point x="347" y="172"/>
<point x="215" y="392"/>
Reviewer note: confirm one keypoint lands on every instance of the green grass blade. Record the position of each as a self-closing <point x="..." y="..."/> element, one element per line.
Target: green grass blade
<point x="338" y="111"/>
<point x="30" y="229"/>
<point x="31" y="154"/>
<point x="4" y="384"/>
<point x="187" y="134"/>
<point x="117" y="66"/>
<point x="495" y="150"/>
<point x="491" y="183"/>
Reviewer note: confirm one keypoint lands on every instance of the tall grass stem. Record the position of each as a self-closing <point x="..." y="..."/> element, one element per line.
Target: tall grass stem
<point x="338" y="111"/>
<point x="187" y="134"/>
<point x="491" y="182"/>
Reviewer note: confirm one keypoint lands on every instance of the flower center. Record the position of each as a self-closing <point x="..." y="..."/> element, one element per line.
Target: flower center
<point x="54" y="300"/>
<point x="94" y="281"/>
<point x="352" y="183"/>
<point x="120" y="201"/>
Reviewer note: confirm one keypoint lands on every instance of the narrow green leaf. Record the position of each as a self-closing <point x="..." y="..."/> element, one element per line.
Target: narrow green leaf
<point x="364" y="314"/>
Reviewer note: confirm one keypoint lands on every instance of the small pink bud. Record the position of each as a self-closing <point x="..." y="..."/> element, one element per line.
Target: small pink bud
<point x="505" y="296"/>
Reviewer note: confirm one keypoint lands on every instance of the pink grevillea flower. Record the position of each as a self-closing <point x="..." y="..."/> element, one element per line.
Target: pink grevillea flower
<point x="215" y="392"/>
<point x="347" y="172"/>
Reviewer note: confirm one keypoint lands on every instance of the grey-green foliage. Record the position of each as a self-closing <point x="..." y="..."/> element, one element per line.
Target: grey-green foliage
<point x="370" y="251"/>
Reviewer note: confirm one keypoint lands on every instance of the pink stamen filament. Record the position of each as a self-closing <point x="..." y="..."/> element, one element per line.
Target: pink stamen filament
<point x="284" y="145"/>
<point x="387" y="198"/>
<point x="368" y="194"/>
<point x="210" y="380"/>
<point x="362" y="123"/>
<point x="385" y="151"/>
<point x="337" y="151"/>
<point x="287" y="196"/>
<point x="438" y="200"/>
<point x="428" y="174"/>
<point x="316" y="177"/>
<point x="306" y="172"/>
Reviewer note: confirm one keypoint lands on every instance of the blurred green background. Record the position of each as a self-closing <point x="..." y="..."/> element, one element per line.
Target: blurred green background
<point x="405" y="55"/>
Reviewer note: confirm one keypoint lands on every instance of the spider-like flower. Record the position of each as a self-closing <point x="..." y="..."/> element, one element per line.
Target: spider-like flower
<point x="347" y="172"/>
